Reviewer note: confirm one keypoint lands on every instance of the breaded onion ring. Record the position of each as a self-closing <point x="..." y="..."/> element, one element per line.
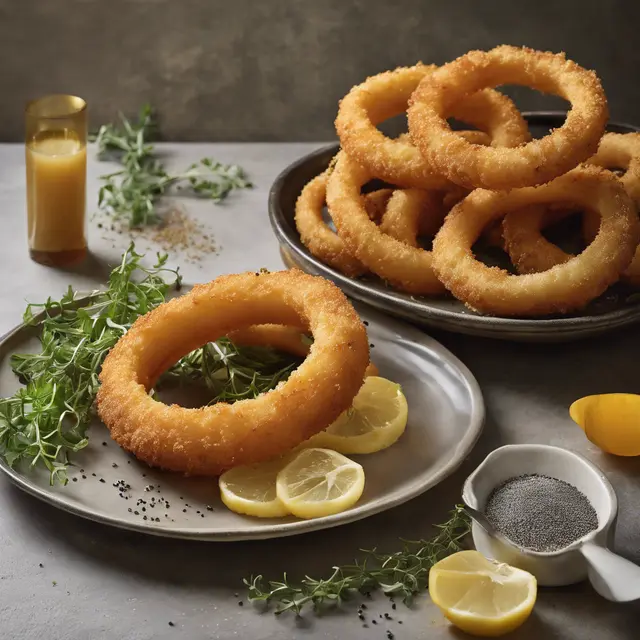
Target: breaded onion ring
<point x="410" y="212"/>
<point x="621" y="151"/>
<point x="288" y="339"/>
<point x="375" y="203"/>
<point x="208" y="440"/>
<point x="529" y="250"/>
<point x="561" y="289"/>
<point x="533" y="163"/>
<point x="407" y="268"/>
<point x="322" y="241"/>
<point x="397" y="161"/>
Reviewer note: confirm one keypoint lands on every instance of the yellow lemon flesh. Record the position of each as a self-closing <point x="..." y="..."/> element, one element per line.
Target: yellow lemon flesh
<point x="251" y="490"/>
<point x="611" y="421"/>
<point x="319" y="482"/>
<point x="482" y="597"/>
<point x="376" y="419"/>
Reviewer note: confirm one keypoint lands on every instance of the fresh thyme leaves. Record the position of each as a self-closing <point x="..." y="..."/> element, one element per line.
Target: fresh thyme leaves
<point x="233" y="372"/>
<point x="134" y="191"/>
<point x="48" y="418"/>
<point x="404" y="573"/>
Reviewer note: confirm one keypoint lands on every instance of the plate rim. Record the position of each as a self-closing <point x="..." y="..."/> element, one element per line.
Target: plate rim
<point x="460" y="452"/>
<point x="452" y="320"/>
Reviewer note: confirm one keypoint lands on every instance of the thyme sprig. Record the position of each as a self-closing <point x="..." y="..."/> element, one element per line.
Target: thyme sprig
<point x="404" y="573"/>
<point x="47" y="419"/>
<point x="134" y="191"/>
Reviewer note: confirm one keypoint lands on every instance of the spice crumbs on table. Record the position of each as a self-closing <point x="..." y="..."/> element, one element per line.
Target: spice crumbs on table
<point x="171" y="624"/>
<point x="41" y="565"/>
<point x="75" y="479"/>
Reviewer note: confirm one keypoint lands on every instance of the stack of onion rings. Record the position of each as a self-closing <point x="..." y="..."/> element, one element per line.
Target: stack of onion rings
<point x="433" y="173"/>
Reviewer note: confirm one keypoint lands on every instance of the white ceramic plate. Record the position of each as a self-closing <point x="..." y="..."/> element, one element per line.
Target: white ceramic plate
<point x="446" y="414"/>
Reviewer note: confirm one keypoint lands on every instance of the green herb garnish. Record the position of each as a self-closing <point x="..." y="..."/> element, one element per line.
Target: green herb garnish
<point x="48" y="418"/>
<point x="404" y="573"/>
<point x="233" y="372"/>
<point x="135" y="190"/>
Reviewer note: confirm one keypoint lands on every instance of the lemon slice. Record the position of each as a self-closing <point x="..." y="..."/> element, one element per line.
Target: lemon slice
<point x="251" y="490"/>
<point x="319" y="482"/>
<point x="482" y="597"/>
<point x="375" y="421"/>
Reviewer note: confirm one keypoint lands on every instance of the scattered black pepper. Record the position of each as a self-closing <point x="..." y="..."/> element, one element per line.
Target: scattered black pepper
<point x="75" y="479"/>
<point x="114" y="465"/>
<point x="144" y="517"/>
<point x="374" y="621"/>
<point x="171" y="624"/>
<point x="365" y="323"/>
<point x="387" y="616"/>
<point x="389" y="635"/>
<point x="102" y="479"/>
<point x="394" y="606"/>
<point x="372" y="345"/>
<point x="104" y="444"/>
<point x="184" y="511"/>
<point x="136" y="513"/>
<point x="93" y="474"/>
<point x="363" y="606"/>
<point x="41" y="565"/>
<point x="84" y="477"/>
<point x="209" y="508"/>
<point x="240" y="604"/>
<point x="129" y="509"/>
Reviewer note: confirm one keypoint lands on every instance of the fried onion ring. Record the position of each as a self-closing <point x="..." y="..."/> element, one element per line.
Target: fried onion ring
<point x="621" y="151"/>
<point x="322" y="241"/>
<point x="288" y="339"/>
<point x="398" y="161"/>
<point x="209" y="440"/>
<point x="407" y="268"/>
<point x="561" y="289"/>
<point x="533" y="163"/>
<point x="409" y="213"/>
<point x="376" y="202"/>
<point x="529" y="250"/>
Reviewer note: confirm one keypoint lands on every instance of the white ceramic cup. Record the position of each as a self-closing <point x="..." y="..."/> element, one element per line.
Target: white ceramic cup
<point x="555" y="568"/>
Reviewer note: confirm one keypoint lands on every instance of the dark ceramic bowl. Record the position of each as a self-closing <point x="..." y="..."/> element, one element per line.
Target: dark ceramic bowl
<point x="616" y="308"/>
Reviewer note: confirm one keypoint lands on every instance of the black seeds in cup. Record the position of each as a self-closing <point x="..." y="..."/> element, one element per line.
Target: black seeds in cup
<point x="540" y="513"/>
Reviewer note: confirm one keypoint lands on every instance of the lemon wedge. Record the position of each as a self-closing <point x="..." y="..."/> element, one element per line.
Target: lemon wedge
<point x="251" y="490"/>
<point x="376" y="419"/>
<point x="319" y="482"/>
<point x="482" y="597"/>
<point x="611" y="421"/>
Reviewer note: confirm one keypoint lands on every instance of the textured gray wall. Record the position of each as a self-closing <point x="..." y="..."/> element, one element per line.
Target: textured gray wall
<point x="275" y="69"/>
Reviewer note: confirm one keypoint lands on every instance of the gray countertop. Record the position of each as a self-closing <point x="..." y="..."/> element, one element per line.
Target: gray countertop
<point x="62" y="577"/>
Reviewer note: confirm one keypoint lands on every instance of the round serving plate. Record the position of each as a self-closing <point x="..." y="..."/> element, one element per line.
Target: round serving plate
<point x="616" y="308"/>
<point x="446" y="414"/>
